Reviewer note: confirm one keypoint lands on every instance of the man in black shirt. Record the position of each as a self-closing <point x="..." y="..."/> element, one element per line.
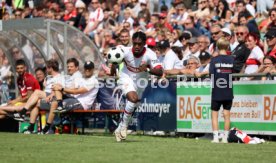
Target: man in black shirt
<point x="220" y="69"/>
<point x="241" y="52"/>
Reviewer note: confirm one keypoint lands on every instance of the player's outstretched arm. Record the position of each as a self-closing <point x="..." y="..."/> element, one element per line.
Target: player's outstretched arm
<point x="158" y="71"/>
<point x="113" y="70"/>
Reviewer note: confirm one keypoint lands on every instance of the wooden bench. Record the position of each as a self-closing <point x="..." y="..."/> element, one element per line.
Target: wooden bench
<point x="83" y="113"/>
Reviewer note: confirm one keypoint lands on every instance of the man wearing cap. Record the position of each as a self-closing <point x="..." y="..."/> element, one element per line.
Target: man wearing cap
<point x="215" y="20"/>
<point x="226" y="32"/>
<point x="184" y="38"/>
<point x="151" y="43"/>
<point x="194" y="49"/>
<point x="271" y="42"/>
<point x="85" y="92"/>
<point x="204" y="55"/>
<point x="171" y="61"/>
<point x="164" y="23"/>
<point x="83" y="96"/>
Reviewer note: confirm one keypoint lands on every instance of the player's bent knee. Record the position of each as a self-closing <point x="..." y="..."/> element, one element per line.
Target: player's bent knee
<point x="133" y="99"/>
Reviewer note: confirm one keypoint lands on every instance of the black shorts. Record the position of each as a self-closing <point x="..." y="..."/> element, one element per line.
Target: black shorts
<point x="215" y="105"/>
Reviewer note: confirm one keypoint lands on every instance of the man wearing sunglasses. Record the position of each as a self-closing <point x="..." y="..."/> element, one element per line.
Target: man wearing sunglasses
<point x="215" y="34"/>
<point x="241" y="52"/>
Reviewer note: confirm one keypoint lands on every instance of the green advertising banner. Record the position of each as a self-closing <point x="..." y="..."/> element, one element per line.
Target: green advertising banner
<point x="253" y="110"/>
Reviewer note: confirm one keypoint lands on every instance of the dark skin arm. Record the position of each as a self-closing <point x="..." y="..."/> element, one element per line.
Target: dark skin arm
<point x="154" y="71"/>
<point x="113" y="70"/>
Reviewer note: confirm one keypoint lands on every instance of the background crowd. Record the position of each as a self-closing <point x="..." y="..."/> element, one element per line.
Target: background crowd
<point x="183" y="33"/>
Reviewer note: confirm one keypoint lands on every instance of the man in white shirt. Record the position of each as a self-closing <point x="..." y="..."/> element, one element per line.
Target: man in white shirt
<point x="71" y="80"/>
<point x="194" y="49"/>
<point x="171" y="61"/>
<point x="83" y="95"/>
<point x="85" y="92"/>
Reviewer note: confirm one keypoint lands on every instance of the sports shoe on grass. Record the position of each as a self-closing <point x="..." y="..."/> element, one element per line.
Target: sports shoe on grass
<point x="224" y="140"/>
<point x="117" y="134"/>
<point x="123" y="132"/>
<point x="215" y="141"/>
<point x="50" y="131"/>
<point x="19" y="117"/>
<point x="28" y="132"/>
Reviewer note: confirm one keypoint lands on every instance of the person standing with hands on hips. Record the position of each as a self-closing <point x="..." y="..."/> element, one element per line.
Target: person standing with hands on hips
<point x="221" y="68"/>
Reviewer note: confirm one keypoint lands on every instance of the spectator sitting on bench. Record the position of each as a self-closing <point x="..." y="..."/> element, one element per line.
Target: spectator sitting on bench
<point x="26" y="83"/>
<point x="82" y="97"/>
<point x="41" y="99"/>
<point x="74" y="75"/>
<point x="40" y="75"/>
<point x="71" y="81"/>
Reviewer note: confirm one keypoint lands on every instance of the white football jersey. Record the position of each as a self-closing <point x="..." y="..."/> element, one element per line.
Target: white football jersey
<point x="132" y="63"/>
<point x="92" y="85"/>
<point x="72" y="80"/>
<point x="94" y="16"/>
<point x="50" y="80"/>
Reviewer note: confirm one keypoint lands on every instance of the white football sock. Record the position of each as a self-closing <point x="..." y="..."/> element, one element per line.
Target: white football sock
<point x="129" y="109"/>
<point x="215" y="134"/>
<point x="226" y="134"/>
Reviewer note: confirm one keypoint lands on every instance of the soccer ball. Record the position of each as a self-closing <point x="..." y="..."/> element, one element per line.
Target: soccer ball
<point x="115" y="55"/>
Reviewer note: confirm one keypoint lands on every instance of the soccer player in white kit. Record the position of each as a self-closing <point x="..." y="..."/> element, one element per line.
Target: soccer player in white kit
<point x="139" y="63"/>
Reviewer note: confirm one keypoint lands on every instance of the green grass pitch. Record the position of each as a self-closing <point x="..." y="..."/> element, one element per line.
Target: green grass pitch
<point x="19" y="148"/>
